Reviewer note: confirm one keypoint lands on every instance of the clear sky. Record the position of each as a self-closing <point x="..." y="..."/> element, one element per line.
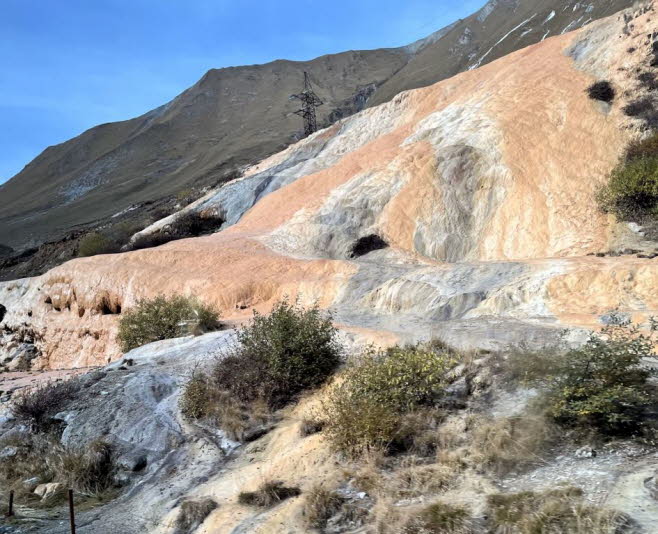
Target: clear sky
<point x="67" y="65"/>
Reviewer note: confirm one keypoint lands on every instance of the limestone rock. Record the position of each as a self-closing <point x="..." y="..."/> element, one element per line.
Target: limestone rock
<point x="49" y="491"/>
<point x="483" y="186"/>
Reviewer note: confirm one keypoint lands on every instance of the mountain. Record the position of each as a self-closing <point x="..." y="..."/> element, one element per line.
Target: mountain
<point x="236" y="116"/>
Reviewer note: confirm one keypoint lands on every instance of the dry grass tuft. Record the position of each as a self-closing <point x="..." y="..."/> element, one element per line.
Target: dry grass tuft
<point x="559" y="511"/>
<point x="192" y="514"/>
<point x="437" y="518"/>
<point x="508" y="443"/>
<point x="36" y="407"/>
<point x="321" y="505"/>
<point x="308" y="427"/>
<point x="268" y="494"/>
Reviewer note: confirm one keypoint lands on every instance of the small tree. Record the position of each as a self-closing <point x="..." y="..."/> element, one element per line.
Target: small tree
<point x="602" y="384"/>
<point x="164" y="318"/>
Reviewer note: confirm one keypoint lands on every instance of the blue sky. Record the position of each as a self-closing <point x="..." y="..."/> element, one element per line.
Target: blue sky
<point x="67" y="65"/>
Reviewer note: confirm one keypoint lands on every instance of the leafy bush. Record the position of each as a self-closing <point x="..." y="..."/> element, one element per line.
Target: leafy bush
<point x="365" y="409"/>
<point x="601" y="91"/>
<point x="291" y="350"/>
<point x="268" y="494"/>
<point x="279" y="355"/>
<point x="164" y="318"/>
<point x="632" y="191"/>
<point x="96" y="243"/>
<point x="602" y="384"/>
<point x="560" y="510"/>
<point x="36" y="407"/>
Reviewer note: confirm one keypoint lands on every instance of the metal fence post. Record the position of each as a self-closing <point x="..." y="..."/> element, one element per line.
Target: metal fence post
<point x="71" y="513"/>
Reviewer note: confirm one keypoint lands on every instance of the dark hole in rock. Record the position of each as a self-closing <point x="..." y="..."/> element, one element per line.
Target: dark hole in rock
<point x="3" y="312"/>
<point x="601" y="91"/>
<point x="106" y="309"/>
<point x="29" y="314"/>
<point x="81" y="311"/>
<point x="48" y="300"/>
<point x="367" y="244"/>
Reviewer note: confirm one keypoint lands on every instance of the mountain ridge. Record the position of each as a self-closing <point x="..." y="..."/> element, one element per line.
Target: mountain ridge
<point x="236" y="116"/>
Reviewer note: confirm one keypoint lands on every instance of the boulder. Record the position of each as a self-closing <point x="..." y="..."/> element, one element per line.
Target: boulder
<point x="133" y="461"/>
<point x="31" y="484"/>
<point x="8" y="452"/>
<point x="48" y="491"/>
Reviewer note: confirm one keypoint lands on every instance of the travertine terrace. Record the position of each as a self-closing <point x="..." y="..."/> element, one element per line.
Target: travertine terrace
<point x="483" y="185"/>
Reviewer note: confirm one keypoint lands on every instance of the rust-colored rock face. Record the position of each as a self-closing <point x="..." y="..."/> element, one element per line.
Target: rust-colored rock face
<point x="483" y="186"/>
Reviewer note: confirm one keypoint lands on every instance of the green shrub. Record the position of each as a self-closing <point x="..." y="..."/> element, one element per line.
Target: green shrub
<point x="96" y="243"/>
<point x="293" y="349"/>
<point x="164" y="318"/>
<point x="278" y="356"/>
<point x="268" y="494"/>
<point x="555" y="511"/>
<point x="36" y="407"/>
<point x="365" y="409"/>
<point x="602" y="384"/>
<point x="632" y="191"/>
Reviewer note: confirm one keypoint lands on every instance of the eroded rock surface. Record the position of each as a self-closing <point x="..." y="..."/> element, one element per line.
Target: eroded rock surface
<point x="483" y="186"/>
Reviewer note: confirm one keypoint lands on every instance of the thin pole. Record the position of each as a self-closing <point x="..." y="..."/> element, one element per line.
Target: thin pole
<point x="11" y="504"/>
<point x="71" y="513"/>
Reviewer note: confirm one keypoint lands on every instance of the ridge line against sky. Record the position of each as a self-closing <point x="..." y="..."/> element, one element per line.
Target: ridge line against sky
<point x="69" y="65"/>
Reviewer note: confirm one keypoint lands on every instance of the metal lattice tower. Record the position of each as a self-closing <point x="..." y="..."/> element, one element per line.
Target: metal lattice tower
<point x="310" y="101"/>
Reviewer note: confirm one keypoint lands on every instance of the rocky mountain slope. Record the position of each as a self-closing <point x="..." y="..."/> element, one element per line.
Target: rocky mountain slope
<point x="235" y="116"/>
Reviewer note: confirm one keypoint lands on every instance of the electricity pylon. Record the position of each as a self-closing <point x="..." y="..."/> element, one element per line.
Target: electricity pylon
<point x="310" y="101"/>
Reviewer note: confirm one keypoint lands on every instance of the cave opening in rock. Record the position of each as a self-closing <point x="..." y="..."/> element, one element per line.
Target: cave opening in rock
<point x="367" y="244"/>
<point x="3" y="312"/>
